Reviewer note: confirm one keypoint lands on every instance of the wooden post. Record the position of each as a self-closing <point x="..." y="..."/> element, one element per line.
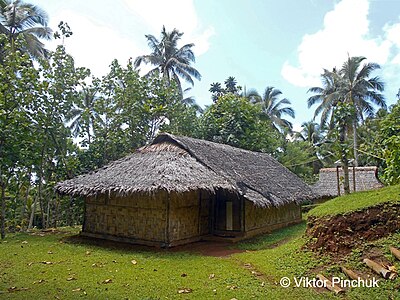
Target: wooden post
<point x="167" y="237"/>
<point x="338" y="180"/>
<point x="199" y="214"/>
<point x="350" y="273"/>
<point x="329" y="285"/>
<point x="395" y="252"/>
<point x="385" y="273"/>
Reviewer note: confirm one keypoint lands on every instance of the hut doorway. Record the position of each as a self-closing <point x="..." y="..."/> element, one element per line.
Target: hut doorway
<point x="227" y="217"/>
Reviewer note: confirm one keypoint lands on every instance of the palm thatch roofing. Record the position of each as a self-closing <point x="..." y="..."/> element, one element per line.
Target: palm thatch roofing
<point x="181" y="164"/>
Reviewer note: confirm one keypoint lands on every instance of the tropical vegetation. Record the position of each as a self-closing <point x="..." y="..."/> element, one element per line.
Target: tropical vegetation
<point x="58" y="121"/>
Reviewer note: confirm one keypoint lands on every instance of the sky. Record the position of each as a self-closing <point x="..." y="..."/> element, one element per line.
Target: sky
<point x="285" y="44"/>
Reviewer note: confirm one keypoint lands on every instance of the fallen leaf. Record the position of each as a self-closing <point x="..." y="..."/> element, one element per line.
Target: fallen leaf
<point x="47" y="262"/>
<point x="88" y="252"/>
<point x="77" y="290"/>
<point x="211" y="276"/>
<point x="231" y="287"/>
<point x="263" y="283"/>
<point x="15" y="289"/>
<point x="71" y="278"/>
<point x="24" y="242"/>
<point x="134" y="262"/>
<point x="107" y="281"/>
<point x="114" y="261"/>
<point x="49" y="252"/>
<point x="255" y="273"/>
<point x="40" y="281"/>
<point x="184" y="291"/>
<point x="183" y="275"/>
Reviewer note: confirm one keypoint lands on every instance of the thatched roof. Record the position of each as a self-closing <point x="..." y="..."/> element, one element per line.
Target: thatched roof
<point x="176" y="163"/>
<point x="327" y="186"/>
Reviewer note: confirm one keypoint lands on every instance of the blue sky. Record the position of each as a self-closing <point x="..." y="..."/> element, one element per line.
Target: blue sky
<point x="285" y="44"/>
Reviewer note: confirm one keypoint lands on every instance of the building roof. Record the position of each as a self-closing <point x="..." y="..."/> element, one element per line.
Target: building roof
<point x="327" y="185"/>
<point x="180" y="164"/>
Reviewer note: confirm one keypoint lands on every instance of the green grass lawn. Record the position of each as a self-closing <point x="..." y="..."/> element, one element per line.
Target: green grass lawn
<point x="53" y="266"/>
<point x="357" y="201"/>
<point x="50" y="267"/>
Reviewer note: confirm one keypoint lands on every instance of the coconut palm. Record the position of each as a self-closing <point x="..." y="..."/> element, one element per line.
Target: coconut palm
<point x="231" y="85"/>
<point x="28" y="22"/>
<point x="351" y="84"/>
<point x="273" y="107"/>
<point x="361" y="91"/>
<point x="83" y="114"/>
<point x="169" y="60"/>
<point x="326" y="96"/>
<point x="216" y="91"/>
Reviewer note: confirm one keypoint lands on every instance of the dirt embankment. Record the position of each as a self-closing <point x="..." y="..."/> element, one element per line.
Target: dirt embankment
<point x="340" y="234"/>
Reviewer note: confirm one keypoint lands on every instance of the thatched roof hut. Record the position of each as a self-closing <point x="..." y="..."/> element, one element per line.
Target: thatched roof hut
<point x="204" y="173"/>
<point x="331" y="181"/>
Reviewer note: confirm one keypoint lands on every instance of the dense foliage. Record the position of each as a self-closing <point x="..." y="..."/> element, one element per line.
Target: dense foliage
<point x="57" y="121"/>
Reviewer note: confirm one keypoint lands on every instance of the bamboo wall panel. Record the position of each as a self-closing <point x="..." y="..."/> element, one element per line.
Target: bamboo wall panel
<point x="184" y="215"/>
<point x="141" y="217"/>
<point x="257" y="217"/>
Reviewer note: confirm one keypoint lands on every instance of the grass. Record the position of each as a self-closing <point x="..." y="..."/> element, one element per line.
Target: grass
<point x="356" y="201"/>
<point x="274" y="239"/>
<point x="50" y="266"/>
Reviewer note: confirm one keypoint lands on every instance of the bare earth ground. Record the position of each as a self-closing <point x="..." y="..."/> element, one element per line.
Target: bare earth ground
<point x="339" y="234"/>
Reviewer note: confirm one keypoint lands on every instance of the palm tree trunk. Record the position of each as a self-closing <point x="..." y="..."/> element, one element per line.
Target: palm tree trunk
<point x="344" y="161"/>
<point x="355" y="143"/>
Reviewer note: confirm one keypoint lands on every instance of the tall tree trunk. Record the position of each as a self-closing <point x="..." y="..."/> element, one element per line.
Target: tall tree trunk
<point x="24" y="205"/>
<point x="355" y="143"/>
<point x="3" y="210"/>
<point x="344" y="161"/>
<point x="39" y="192"/>
<point x="70" y="212"/>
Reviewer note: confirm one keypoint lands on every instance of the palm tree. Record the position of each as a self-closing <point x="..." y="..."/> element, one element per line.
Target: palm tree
<point x="169" y="60"/>
<point x="231" y="85"/>
<point x="273" y="107"/>
<point x="216" y="90"/>
<point x="351" y="84"/>
<point x="361" y="91"/>
<point x="27" y="21"/>
<point x="83" y="114"/>
<point x="326" y="96"/>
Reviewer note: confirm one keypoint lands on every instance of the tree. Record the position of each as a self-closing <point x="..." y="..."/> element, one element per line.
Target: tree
<point x="231" y="87"/>
<point x="169" y="60"/>
<point x="233" y="120"/>
<point x="28" y="22"/>
<point x="389" y="141"/>
<point x="19" y="88"/>
<point x="83" y="114"/>
<point x="351" y="84"/>
<point x="326" y="96"/>
<point x="361" y="91"/>
<point x="273" y="107"/>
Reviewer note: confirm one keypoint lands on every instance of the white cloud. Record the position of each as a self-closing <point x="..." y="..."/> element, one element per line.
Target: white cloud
<point x="179" y="14"/>
<point x="97" y="45"/>
<point x="345" y="32"/>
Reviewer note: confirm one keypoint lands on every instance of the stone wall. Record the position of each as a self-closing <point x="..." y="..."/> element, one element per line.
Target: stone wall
<point x="327" y="185"/>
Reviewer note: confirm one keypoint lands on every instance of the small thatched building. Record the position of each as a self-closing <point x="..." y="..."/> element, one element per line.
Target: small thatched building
<point x="179" y="189"/>
<point x="331" y="181"/>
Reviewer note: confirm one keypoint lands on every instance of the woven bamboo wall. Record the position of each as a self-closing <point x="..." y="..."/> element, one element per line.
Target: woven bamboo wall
<point x="257" y="217"/>
<point x="140" y="216"/>
<point x="188" y="216"/>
